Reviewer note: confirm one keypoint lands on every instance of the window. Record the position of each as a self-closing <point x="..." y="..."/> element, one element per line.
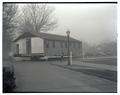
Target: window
<point x="70" y="44"/>
<point x="47" y="44"/>
<point x="61" y="44"/>
<point x="28" y="45"/>
<point x="66" y="44"/>
<point x="79" y="45"/>
<point x="53" y="44"/>
<point x="74" y="45"/>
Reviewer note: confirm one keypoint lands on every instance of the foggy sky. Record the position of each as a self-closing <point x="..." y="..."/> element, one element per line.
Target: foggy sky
<point x="92" y="23"/>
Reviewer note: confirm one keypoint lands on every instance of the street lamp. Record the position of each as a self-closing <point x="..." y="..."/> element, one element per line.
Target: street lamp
<point x="68" y="38"/>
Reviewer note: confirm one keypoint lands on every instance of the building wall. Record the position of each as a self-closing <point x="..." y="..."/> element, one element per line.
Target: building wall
<point x="54" y="50"/>
<point x="49" y="47"/>
<point x="60" y="48"/>
<point x="22" y="46"/>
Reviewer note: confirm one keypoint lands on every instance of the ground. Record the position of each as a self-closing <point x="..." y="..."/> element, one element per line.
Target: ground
<point x="57" y="76"/>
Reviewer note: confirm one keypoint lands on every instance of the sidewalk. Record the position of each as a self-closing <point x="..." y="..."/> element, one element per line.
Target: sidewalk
<point x="86" y="65"/>
<point x="97" y="66"/>
<point x="99" y="70"/>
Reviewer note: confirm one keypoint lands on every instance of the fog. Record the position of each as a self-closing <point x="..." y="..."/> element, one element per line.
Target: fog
<point x="91" y="23"/>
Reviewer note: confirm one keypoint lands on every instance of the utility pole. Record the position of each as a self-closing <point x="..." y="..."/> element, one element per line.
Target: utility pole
<point x="68" y="42"/>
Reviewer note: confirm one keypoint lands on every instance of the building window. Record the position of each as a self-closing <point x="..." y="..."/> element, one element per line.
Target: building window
<point x="78" y="45"/>
<point x="53" y="44"/>
<point x="61" y="44"/>
<point x="70" y="44"/>
<point x="47" y="44"/>
<point x="66" y="44"/>
<point x="28" y="45"/>
<point x="74" y="45"/>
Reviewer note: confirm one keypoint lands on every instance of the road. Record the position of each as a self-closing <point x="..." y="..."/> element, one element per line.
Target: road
<point x="46" y="77"/>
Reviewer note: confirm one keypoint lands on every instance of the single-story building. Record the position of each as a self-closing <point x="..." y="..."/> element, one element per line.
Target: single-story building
<point x="31" y="44"/>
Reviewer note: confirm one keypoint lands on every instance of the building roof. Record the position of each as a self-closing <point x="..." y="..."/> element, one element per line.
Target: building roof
<point x="44" y="36"/>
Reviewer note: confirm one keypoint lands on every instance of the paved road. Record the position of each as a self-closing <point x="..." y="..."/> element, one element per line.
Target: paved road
<point x="44" y="77"/>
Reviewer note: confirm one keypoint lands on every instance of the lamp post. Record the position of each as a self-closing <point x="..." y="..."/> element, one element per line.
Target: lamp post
<point x="68" y="42"/>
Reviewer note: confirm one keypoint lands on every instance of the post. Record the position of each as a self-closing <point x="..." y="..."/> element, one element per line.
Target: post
<point x="70" y="57"/>
<point x="68" y="38"/>
<point x="83" y="56"/>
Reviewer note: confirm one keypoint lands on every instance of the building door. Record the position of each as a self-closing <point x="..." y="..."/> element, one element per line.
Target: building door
<point x="28" y="46"/>
<point x="17" y="48"/>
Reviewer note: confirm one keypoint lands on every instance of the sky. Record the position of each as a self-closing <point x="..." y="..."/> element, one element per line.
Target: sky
<point x="91" y="23"/>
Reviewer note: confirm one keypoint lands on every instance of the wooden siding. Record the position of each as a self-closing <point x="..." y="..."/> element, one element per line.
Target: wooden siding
<point x="58" y="48"/>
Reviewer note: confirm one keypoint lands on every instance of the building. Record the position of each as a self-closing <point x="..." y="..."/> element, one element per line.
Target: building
<point x="32" y="44"/>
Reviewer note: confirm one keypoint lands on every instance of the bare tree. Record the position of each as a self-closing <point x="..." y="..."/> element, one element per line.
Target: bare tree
<point x="37" y="18"/>
<point x="9" y="12"/>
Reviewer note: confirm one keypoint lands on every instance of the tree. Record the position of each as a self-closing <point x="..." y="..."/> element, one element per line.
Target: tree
<point x="109" y="48"/>
<point x="37" y="18"/>
<point x="9" y="12"/>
